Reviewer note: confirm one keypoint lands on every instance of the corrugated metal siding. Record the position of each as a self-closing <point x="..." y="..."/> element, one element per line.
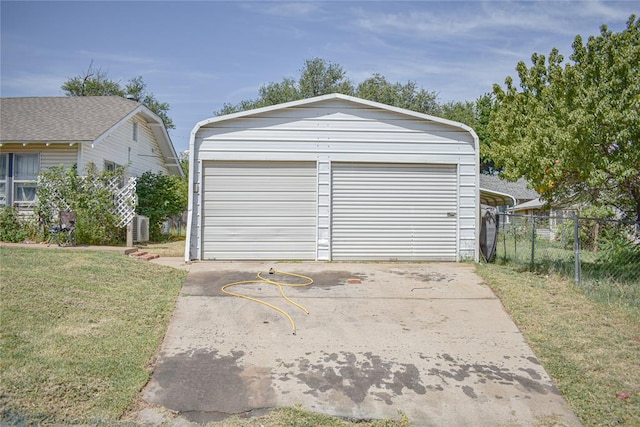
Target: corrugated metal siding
<point x="391" y="211"/>
<point x="259" y="210"/>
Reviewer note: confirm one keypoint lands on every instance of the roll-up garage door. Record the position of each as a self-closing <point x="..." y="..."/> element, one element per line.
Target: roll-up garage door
<point x="259" y="210"/>
<point x="394" y="212"/>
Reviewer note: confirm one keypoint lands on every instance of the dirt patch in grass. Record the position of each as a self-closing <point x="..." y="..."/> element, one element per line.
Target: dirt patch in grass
<point x="590" y="348"/>
<point x="174" y="248"/>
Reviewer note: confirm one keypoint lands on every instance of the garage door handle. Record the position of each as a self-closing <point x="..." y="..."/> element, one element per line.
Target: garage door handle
<point x="451" y="214"/>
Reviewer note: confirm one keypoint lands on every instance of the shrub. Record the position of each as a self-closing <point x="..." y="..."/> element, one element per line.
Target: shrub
<point x="11" y="227"/>
<point x="159" y="198"/>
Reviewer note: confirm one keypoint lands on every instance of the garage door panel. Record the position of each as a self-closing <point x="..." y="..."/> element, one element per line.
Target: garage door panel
<point x="235" y="196"/>
<point x="266" y="221"/>
<point x="259" y="169"/>
<point x="393" y="211"/>
<point x="266" y="207"/>
<point x="258" y="234"/>
<point x="250" y="183"/>
<point x="259" y="210"/>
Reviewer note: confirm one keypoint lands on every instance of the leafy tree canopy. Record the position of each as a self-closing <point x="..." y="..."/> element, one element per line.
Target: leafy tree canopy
<point x="321" y="77"/>
<point x="160" y="197"/>
<point x="573" y="129"/>
<point x="95" y="82"/>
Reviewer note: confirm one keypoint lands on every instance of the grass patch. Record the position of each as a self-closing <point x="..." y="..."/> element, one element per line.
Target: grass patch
<point x="299" y="417"/>
<point x="590" y="347"/>
<point x="77" y="332"/>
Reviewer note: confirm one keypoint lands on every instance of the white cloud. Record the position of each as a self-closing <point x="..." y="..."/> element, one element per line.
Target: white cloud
<point x="459" y="21"/>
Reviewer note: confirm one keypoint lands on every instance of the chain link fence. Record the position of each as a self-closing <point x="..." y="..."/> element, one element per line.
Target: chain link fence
<point x="596" y="252"/>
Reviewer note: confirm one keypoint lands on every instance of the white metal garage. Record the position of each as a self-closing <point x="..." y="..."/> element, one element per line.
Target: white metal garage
<point x="394" y="211"/>
<point x="333" y="177"/>
<point x="259" y="210"/>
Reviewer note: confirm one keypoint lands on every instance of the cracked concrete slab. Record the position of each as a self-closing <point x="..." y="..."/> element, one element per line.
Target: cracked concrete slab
<point x="429" y="340"/>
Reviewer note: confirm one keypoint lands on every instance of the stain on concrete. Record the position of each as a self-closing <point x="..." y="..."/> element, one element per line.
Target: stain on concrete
<point x="533" y="360"/>
<point x="208" y="283"/>
<point x="427" y="277"/>
<point x="205" y="386"/>
<point x="332" y="278"/>
<point x="481" y="373"/>
<point x="357" y="376"/>
<point x="468" y="390"/>
<point x="532" y="372"/>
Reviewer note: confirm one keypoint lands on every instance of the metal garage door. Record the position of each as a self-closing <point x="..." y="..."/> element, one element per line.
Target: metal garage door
<point x="392" y="211"/>
<point x="259" y="210"/>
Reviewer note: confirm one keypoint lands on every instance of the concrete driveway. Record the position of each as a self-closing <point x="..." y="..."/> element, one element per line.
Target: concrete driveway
<point x="429" y="340"/>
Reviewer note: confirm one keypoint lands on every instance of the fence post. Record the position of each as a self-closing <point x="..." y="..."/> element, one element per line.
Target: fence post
<point x="504" y="238"/>
<point x="576" y="248"/>
<point x="533" y="242"/>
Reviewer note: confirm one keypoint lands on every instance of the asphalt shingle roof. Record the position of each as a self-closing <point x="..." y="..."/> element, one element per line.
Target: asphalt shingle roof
<point x="518" y="189"/>
<point x="78" y="118"/>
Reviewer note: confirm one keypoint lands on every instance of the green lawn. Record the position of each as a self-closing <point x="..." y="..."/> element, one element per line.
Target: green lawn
<point x="78" y="330"/>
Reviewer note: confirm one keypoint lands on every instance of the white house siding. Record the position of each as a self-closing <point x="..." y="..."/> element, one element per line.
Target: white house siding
<point x="119" y="147"/>
<point x="334" y="130"/>
<point x="54" y="154"/>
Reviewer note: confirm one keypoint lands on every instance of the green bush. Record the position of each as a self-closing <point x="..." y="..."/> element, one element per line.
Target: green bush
<point x="11" y="227"/>
<point x="159" y="198"/>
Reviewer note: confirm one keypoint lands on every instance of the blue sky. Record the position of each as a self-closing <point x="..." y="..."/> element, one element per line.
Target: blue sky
<point x="198" y="55"/>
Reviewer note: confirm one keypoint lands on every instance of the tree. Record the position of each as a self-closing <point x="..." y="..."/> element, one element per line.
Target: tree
<point x="572" y="130"/>
<point x="159" y="198"/>
<point x="318" y="77"/>
<point x="484" y="107"/>
<point x="95" y="82"/>
<point x="377" y="88"/>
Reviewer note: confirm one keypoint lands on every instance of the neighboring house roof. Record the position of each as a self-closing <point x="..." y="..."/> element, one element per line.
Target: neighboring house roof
<point x="530" y="205"/>
<point x="495" y="198"/>
<point x="82" y="119"/>
<point x="518" y="189"/>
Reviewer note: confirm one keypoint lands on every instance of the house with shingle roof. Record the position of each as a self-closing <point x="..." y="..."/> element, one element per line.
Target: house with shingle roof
<point x="518" y="191"/>
<point x="37" y="133"/>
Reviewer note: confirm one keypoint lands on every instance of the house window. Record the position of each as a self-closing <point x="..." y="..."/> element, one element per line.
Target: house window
<point x="135" y="131"/>
<point x="110" y="166"/>
<point x="18" y="179"/>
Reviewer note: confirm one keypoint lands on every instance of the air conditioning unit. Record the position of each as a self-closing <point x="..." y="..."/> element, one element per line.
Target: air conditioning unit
<point x="140" y="228"/>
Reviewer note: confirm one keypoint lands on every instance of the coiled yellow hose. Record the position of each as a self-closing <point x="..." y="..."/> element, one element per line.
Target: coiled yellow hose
<point x="307" y="282"/>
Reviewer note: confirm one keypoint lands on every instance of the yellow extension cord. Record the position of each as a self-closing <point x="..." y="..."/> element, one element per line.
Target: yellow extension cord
<point x="280" y="285"/>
